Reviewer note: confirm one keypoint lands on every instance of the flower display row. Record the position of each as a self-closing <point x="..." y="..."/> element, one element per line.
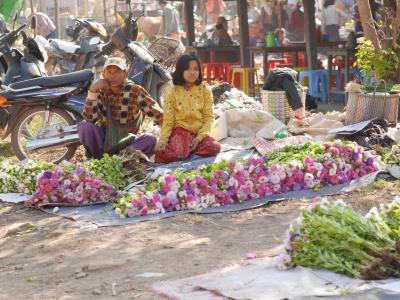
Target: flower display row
<point x="70" y="187"/>
<point x="23" y="179"/>
<point x="332" y="236"/>
<point x="230" y="182"/>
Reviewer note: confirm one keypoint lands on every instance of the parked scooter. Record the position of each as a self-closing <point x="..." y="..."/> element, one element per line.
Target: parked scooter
<point x="83" y="28"/>
<point x="39" y="108"/>
<point x="66" y="57"/>
<point x="18" y="65"/>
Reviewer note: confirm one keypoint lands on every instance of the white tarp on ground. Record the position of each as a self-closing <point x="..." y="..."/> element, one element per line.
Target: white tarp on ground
<point x="14" y="197"/>
<point x="261" y="280"/>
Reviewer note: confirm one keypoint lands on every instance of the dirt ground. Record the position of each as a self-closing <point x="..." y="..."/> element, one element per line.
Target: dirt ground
<point x="48" y="257"/>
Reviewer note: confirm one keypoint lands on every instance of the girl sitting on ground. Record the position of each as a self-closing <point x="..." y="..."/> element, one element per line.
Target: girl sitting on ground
<point x="188" y="115"/>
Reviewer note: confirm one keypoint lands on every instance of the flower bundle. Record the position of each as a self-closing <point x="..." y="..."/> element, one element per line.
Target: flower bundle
<point x="21" y="179"/>
<point x="238" y="181"/>
<point x="70" y="187"/>
<point x="333" y="236"/>
<point x="110" y="169"/>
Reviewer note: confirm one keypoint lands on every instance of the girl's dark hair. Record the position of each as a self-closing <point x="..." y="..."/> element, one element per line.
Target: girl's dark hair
<point x="328" y="3"/>
<point x="182" y="65"/>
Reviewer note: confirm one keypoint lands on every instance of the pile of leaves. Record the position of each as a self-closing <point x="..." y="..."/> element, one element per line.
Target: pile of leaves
<point x="292" y="153"/>
<point x="332" y="236"/>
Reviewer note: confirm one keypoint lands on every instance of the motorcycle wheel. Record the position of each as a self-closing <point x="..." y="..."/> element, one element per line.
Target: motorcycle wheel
<point x="27" y="127"/>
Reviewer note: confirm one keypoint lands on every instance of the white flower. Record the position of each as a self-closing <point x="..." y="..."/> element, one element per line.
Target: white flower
<point x="175" y="186"/>
<point x="275" y="179"/>
<point x="263" y="179"/>
<point x="283" y="261"/>
<point x="332" y="172"/>
<point x="117" y="211"/>
<point x="339" y="202"/>
<point x="171" y="195"/>
<point x="308" y="177"/>
<point x="238" y="167"/>
<point x="251" y="168"/>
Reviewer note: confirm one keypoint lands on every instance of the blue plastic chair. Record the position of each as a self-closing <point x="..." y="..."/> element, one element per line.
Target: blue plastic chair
<point x="317" y="83"/>
<point x="353" y="71"/>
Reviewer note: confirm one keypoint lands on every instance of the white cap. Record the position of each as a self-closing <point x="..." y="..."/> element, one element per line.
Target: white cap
<point x="116" y="61"/>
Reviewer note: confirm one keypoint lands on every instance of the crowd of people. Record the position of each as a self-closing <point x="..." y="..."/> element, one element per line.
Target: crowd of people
<point x="284" y="19"/>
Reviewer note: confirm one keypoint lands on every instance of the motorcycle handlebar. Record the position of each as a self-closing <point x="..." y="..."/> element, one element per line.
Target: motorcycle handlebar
<point x="107" y="48"/>
<point x="16" y="31"/>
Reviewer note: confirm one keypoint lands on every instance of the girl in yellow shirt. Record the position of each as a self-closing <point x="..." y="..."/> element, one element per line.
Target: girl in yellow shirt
<point x="188" y="115"/>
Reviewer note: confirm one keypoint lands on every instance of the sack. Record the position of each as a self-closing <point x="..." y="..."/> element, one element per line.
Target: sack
<point x="276" y="103"/>
<point x="364" y="107"/>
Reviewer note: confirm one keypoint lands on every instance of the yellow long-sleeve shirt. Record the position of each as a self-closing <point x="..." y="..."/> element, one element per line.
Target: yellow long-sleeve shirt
<point x="189" y="109"/>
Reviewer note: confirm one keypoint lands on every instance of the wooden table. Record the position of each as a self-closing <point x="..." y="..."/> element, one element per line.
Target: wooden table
<point x="295" y="49"/>
<point x="346" y="53"/>
<point x="216" y="53"/>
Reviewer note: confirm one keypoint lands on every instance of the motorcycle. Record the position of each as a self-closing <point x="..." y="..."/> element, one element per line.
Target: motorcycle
<point x="18" y="65"/>
<point x="66" y="57"/>
<point x="39" y="108"/>
<point x="83" y="28"/>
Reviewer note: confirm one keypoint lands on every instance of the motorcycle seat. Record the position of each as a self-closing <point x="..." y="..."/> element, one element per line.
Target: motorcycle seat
<point x="64" y="46"/>
<point x="55" y="81"/>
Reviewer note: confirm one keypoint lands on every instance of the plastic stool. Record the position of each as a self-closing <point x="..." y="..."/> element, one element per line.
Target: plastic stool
<point x="244" y="73"/>
<point x="229" y="71"/>
<point x="213" y="70"/>
<point x="314" y="79"/>
<point x="337" y="78"/>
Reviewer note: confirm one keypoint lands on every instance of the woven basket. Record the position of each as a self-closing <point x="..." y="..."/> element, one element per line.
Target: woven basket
<point x="363" y="107"/>
<point x="276" y="103"/>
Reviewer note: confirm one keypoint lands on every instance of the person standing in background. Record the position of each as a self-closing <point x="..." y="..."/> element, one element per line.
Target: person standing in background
<point x="170" y="20"/>
<point x="297" y="22"/>
<point x="331" y="19"/>
<point x="280" y="18"/>
<point x="45" y="26"/>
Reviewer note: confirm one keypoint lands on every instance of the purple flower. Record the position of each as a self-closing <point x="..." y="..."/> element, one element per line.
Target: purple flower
<point x="293" y="236"/>
<point x="370" y="161"/>
<point x="47" y="174"/>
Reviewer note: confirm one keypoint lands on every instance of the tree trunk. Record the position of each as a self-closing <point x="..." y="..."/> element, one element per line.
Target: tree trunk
<point x="368" y="24"/>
